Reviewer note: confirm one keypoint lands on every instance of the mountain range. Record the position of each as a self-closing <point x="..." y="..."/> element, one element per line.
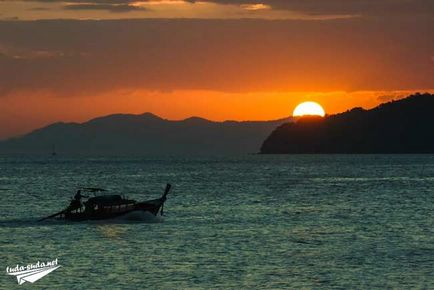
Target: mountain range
<point x="145" y="134"/>
<point x="402" y="126"/>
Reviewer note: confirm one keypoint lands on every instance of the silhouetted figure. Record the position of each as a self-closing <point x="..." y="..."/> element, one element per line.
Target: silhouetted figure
<point x="76" y="202"/>
<point x="78" y="196"/>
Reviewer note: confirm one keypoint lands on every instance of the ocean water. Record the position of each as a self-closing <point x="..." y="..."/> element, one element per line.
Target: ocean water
<point x="249" y="222"/>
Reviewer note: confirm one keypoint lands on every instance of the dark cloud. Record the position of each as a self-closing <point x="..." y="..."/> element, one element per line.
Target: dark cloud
<point x="90" y="57"/>
<point x="10" y="18"/>
<point x="86" y="1"/>
<point x="359" y="7"/>
<point x="40" y="9"/>
<point x="362" y="7"/>
<point x="105" y="6"/>
<point x="388" y="98"/>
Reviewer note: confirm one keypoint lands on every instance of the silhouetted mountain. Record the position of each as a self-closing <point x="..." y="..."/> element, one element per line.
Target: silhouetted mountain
<point x="404" y="126"/>
<point x="145" y="134"/>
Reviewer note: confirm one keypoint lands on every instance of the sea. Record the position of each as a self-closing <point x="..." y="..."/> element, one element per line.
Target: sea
<point x="232" y="222"/>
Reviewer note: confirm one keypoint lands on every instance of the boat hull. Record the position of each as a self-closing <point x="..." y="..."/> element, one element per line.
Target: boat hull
<point x="111" y="206"/>
<point x="103" y="215"/>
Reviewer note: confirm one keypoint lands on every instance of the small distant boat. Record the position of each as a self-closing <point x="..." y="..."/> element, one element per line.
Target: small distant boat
<point x="53" y="150"/>
<point x="105" y="206"/>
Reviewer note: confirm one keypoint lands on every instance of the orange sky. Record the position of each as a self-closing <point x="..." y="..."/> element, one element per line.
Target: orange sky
<point x="30" y="112"/>
<point x="218" y="59"/>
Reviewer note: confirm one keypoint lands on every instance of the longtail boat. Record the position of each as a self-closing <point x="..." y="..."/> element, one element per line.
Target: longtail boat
<point x="106" y="206"/>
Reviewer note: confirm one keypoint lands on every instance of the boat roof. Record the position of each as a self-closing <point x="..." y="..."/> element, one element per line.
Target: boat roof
<point x="114" y="199"/>
<point x="93" y="189"/>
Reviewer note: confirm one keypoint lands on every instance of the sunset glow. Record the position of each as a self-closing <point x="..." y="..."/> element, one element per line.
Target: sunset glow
<point x="309" y="109"/>
<point x="221" y="60"/>
<point x="293" y="139"/>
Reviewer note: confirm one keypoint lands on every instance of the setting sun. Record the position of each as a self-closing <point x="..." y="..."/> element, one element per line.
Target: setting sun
<point x="309" y="109"/>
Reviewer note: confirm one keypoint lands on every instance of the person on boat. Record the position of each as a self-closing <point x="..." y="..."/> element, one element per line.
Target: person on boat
<point x="76" y="202"/>
<point x="78" y="196"/>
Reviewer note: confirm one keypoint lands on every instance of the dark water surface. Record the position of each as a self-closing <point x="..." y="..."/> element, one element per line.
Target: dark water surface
<point x="267" y="222"/>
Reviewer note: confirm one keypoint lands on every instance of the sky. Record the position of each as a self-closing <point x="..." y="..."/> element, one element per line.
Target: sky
<point x="218" y="59"/>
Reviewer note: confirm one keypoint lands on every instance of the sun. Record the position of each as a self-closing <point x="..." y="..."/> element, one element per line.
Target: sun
<point x="308" y="109"/>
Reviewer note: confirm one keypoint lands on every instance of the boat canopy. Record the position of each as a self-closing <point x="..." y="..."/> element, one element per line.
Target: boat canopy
<point x="93" y="189"/>
<point x="108" y="200"/>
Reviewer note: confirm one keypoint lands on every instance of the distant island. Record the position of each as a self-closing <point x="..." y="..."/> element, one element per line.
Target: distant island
<point x="142" y="135"/>
<point x="403" y="126"/>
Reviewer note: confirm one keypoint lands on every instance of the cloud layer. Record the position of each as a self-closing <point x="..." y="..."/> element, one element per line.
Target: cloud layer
<point x="362" y="7"/>
<point x="221" y="9"/>
<point x="333" y="51"/>
<point x="87" y="57"/>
